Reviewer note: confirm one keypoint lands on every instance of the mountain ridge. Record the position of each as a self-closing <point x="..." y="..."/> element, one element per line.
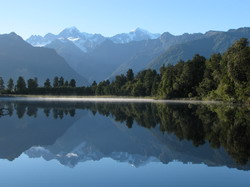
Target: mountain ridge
<point x="18" y="58"/>
<point x="86" y="41"/>
<point x="212" y="42"/>
<point x="117" y="57"/>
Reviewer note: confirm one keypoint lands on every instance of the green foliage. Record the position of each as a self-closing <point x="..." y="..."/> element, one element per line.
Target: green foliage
<point x="181" y="80"/>
<point x="66" y="83"/>
<point x="1" y="84"/>
<point x="130" y="75"/>
<point x="56" y="82"/>
<point x="211" y="77"/>
<point x="221" y="77"/>
<point x="72" y="83"/>
<point x="138" y="89"/>
<point x="103" y="88"/>
<point x="20" y="85"/>
<point x="32" y="83"/>
<point x="47" y="84"/>
<point x="10" y="84"/>
<point x="234" y="83"/>
<point x="61" y="82"/>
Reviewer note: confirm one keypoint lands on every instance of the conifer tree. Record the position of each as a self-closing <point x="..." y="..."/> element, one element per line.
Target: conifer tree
<point x="10" y="84"/>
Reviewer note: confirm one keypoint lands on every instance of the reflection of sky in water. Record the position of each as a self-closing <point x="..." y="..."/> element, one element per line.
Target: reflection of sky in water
<point x="58" y="141"/>
<point x="106" y="172"/>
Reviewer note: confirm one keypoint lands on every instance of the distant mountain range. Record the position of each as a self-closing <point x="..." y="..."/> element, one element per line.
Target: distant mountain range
<point x="86" y="42"/>
<point x="98" y="58"/>
<point x="210" y="43"/>
<point x="88" y="57"/>
<point x="18" y="58"/>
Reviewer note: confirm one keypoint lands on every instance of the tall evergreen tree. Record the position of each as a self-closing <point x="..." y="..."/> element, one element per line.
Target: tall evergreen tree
<point x="56" y="82"/>
<point x="130" y="75"/>
<point x="20" y="85"/>
<point x="211" y="77"/>
<point x="1" y="84"/>
<point x="10" y="84"/>
<point x="72" y="83"/>
<point x="32" y="83"/>
<point x="235" y="69"/>
<point x="47" y="84"/>
<point x="66" y="83"/>
<point x="61" y="82"/>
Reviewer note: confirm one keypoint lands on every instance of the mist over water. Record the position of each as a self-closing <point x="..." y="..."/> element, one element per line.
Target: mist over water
<point x="104" y="99"/>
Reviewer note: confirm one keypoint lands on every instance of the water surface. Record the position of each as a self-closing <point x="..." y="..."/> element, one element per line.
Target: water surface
<point x="57" y="143"/>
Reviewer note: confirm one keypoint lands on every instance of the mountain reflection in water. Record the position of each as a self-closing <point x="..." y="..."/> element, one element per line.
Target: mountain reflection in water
<point x="136" y="133"/>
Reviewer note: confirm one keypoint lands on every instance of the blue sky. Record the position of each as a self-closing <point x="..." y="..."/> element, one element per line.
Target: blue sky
<point x="109" y="17"/>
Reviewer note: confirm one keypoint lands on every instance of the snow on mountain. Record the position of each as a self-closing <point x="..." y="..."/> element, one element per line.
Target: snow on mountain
<point x="70" y="32"/>
<point x="82" y="40"/>
<point x="37" y="41"/>
<point x="72" y="39"/>
<point x="137" y="34"/>
<point x="90" y="43"/>
<point x="87" y="42"/>
<point x="85" y="152"/>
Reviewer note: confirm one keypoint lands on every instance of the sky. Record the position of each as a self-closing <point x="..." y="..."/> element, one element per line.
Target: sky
<point x="110" y="17"/>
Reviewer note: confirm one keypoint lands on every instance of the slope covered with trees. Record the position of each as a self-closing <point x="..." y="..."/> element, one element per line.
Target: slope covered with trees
<point x="117" y="58"/>
<point x="210" y="43"/>
<point x="221" y="77"/>
<point x="18" y="58"/>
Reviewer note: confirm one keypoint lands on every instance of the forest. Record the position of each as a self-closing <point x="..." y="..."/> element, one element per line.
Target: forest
<point x="224" y="77"/>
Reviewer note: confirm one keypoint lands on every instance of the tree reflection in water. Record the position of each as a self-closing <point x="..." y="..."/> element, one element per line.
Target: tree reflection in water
<point x="226" y="126"/>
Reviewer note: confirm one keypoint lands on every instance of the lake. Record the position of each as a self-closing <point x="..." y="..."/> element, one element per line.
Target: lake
<point x="88" y="143"/>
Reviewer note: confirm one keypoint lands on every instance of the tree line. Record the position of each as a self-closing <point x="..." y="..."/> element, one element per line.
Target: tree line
<point x="220" y="77"/>
<point x="31" y="86"/>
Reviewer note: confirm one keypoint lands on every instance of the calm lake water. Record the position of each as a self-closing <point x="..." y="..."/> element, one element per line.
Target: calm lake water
<point x="123" y="144"/>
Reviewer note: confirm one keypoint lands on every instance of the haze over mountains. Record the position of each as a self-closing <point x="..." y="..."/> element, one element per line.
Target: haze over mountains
<point x="98" y="58"/>
<point x="18" y="58"/>
<point x="86" y="41"/>
<point x="88" y="57"/>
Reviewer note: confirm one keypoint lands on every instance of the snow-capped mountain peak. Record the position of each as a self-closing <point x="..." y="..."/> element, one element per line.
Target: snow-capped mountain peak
<point x="72" y="29"/>
<point x="145" y="33"/>
<point x="137" y="34"/>
<point x="37" y="41"/>
<point x="86" y="41"/>
<point x="70" y="32"/>
<point x="138" y="29"/>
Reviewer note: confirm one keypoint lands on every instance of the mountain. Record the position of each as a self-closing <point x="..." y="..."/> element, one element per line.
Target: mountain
<point x="136" y="35"/>
<point x="68" y="50"/>
<point x="115" y="55"/>
<point x="151" y="50"/>
<point x="100" y="63"/>
<point x="38" y="41"/>
<point x="210" y="43"/>
<point x="117" y="58"/>
<point x="84" y="41"/>
<point x="18" y="58"/>
<point x="103" y="58"/>
<point x="87" y="42"/>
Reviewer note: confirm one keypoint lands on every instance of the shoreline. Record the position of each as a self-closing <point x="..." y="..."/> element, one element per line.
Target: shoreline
<point x="123" y="99"/>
